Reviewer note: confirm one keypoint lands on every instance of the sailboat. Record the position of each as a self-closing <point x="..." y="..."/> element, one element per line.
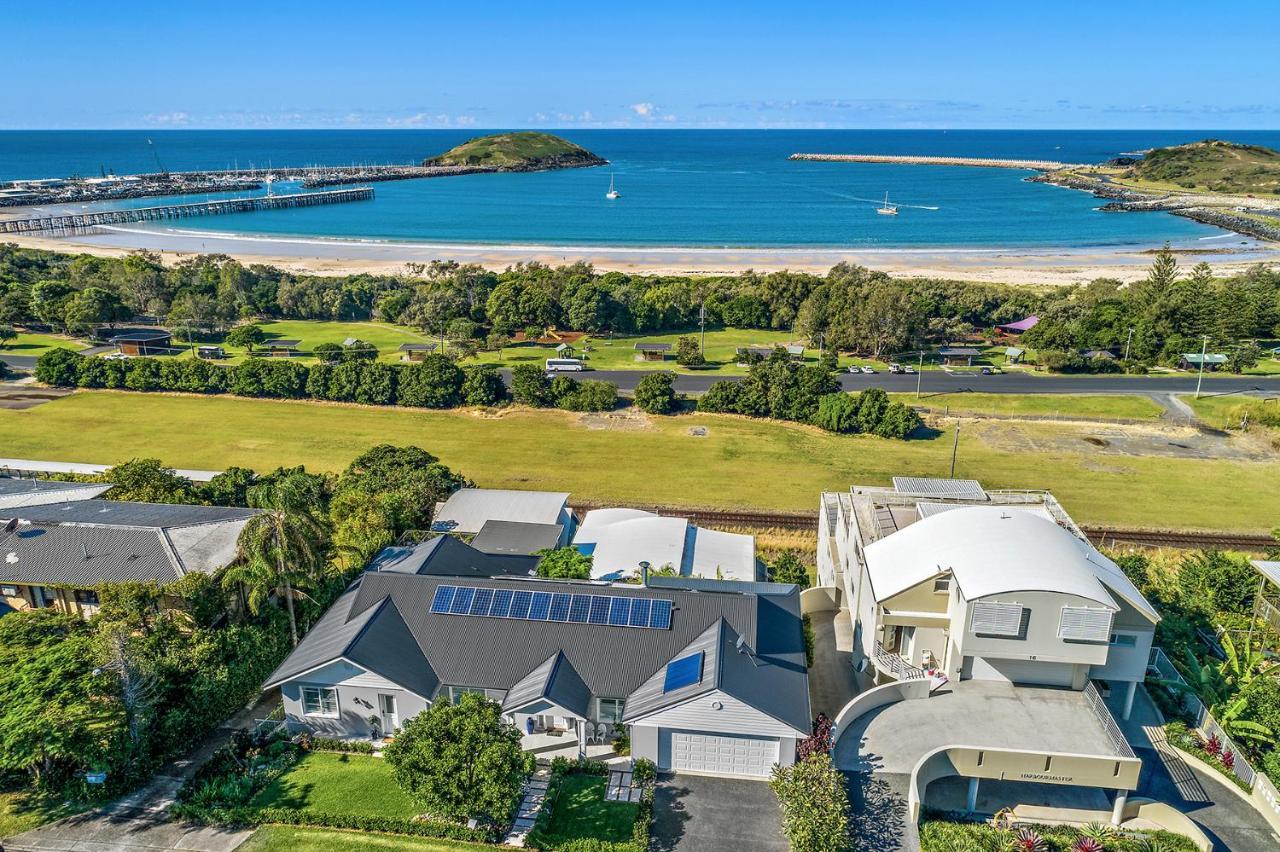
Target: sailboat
<point x="888" y="209"/>
<point x="612" y="193"/>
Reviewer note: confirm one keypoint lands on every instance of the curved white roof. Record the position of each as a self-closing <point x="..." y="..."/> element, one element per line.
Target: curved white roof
<point x="623" y="538"/>
<point x="992" y="550"/>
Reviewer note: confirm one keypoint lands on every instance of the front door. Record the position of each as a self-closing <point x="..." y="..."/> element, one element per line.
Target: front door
<point x="390" y="718"/>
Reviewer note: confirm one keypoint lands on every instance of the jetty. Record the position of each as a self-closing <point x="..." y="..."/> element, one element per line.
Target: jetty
<point x="980" y="162"/>
<point x="76" y="221"/>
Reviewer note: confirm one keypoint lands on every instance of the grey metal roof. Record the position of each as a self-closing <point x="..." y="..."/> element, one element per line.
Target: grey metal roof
<point x="39" y="492"/>
<point x="652" y="347"/>
<point x="468" y="509"/>
<point x="418" y="347"/>
<point x="140" y="336"/>
<point x="554" y="680"/>
<point x="281" y="344"/>
<point x="958" y="350"/>
<point x="516" y="538"/>
<point x="447" y="556"/>
<point x="1270" y="570"/>
<point x="118" y="513"/>
<point x="85" y="556"/>
<point x="927" y="486"/>
<point x="611" y="662"/>
<point x="386" y="628"/>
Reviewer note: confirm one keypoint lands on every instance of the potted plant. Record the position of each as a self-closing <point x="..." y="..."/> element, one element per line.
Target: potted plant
<point x="375" y="727"/>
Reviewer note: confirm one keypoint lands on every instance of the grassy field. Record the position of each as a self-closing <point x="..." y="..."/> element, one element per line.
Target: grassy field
<point x="22" y="811"/>
<point x="1227" y="411"/>
<point x="581" y="812"/>
<point x="333" y="783"/>
<point x="35" y="345"/>
<point x="1110" y="406"/>
<point x="279" y="838"/>
<point x="385" y="336"/>
<point x="739" y="462"/>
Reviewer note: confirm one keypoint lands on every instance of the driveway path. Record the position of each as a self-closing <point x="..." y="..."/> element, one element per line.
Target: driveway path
<point x="140" y="821"/>
<point x="697" y="813"/>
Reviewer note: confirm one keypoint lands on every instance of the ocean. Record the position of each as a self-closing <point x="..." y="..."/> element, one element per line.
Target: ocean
<point x="713" y="188"/>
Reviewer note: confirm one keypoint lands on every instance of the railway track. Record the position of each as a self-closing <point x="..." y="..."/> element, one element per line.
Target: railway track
<point x="1100" y="536"/>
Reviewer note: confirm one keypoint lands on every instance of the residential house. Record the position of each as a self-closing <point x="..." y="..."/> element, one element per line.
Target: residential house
<point x="468" y="510"/>
<point x="620" y="540"/>
<point x="705" y="680"/>
<point x="16" y="493"/>
<point x="57" y="554"/>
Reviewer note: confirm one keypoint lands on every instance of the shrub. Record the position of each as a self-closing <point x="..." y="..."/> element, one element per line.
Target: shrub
<point x="247" y="336"/>
<point x="59" y="367"/>
<point x="326" y="744"/>
<point x="815" y="805"/>
<point x="655" y="393"/>
<point x="328" y="353"/>
<point x="564" y="563"/>
<point x="143" y="374"/>
<point x="689" y="353"/>
<point x="788" y="568"/>
<point x="436" y="382"/>
<point x="721" y="397"/>
<point x="482" y="385"/>
<point x="590" y="395"/>
<point x="530" y="386"/>
<point x="644" y="770"/>
<point x="837" y="412"/>
<point x="898" y="421"/>
<point x="377" y="384"/>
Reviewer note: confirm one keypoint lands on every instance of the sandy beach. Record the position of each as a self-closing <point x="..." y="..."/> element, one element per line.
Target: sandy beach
<point x="1227" y="254"/>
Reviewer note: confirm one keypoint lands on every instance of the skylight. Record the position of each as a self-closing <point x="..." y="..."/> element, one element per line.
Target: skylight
<point x="683" y="672"/>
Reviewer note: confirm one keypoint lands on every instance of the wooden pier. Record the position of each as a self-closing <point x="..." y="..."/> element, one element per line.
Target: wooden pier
<point x="73" y="221"/>
<point x="980" y="162"/>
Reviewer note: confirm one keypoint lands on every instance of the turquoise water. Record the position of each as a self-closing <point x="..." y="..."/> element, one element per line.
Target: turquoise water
<point x="679" y="187"/>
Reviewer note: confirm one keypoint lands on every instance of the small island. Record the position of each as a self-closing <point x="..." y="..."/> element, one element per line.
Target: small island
<point x="524" y="151"/>
<point x="1227" y="184"/>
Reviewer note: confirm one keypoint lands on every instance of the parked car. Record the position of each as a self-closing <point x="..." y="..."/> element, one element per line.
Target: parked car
<point x="854" y="368"/>
<point x="991" y="371"/>
<point x="868" y="369"/>
<point x="909" y="370"/>
<point x="895" y="368"/>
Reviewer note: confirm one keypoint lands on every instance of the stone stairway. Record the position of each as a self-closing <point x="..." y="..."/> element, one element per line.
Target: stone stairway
<point x="535" y="795"/>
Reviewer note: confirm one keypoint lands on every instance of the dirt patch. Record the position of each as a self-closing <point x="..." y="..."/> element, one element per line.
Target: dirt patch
<point x="19" y="398"/>
<point x="1121" y="440"/>
<point x="699" y="431"/>
<point x="628" y="420"/>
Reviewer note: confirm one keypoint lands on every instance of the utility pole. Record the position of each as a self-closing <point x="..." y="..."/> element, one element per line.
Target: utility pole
<point x="919" y="372"/>
<point x="702" y="321"/>
<point x="1126" y="345"/>
<point x="955" y="447"/>
<point x="1204" y="345"/>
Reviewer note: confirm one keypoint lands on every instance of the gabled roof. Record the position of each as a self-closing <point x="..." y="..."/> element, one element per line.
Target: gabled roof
<point x="652" y="347"/>
<point x="773" y="683"/>
<point x="280" y="343"/>
<point x="993" y="550"/>
<point x="555" y="680"/>
<point x="418" y="347"/>
<point x="447" y="556"/>
<point x="1209" y="358"/>
<point x="514" y="538"/>
<point x="467" y="509"/>
<point x="40" y="492"/>
<point x="503" y="653"/>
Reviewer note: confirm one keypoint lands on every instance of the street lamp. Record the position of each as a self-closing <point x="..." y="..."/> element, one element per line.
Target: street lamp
<point x="1204" y="345"/>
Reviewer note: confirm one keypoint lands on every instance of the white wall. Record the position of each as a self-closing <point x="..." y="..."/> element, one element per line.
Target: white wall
<point x="1041" y="642"/>
<point x="733" y="717"/>
<point x="358" y="692"/>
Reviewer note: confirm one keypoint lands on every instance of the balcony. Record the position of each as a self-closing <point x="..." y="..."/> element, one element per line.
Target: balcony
<point x="892" y="665"/>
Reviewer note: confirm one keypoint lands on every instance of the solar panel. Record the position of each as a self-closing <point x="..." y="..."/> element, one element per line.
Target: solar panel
<point x="520" y="604"/>
<point x="560" y="608"/>
<point x="660" y="614"/>
<point x="444" y="597"/>
<point x="613" y="610"/>
<point x="501" y="604"/>
<point x="599" y="610"/>
<point x="619" y="611"/>
<point x="640" y="612"/>
<point x="480" y="606"/>
<point x="683" y="672"/>
<point x="540" y="607"/>
<point x="462" y="600"/>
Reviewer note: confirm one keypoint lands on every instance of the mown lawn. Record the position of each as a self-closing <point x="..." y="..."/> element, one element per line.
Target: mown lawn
<point x="739" y="462"/>
<point x="35" y="345"/>
<point x="581" y="812"/>
<point x="311" y="333"/>
<point x="22" y="811"/>
<point x="1226" y="411"/>
<point x="1112" y="406"/>
<point x="331" y="783"/>
<point x="279" y="838"/>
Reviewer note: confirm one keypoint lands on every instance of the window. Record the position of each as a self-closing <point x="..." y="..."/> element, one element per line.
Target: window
<point x="1084" y="624"/>
<point x="1005" y="620"/>
<point x="456" y="692"/>
<point x="87" y="596"/>
<point x="320" y="701"/>
<point x="9" y="591"/>
<point x="1124" y="640"/>
<point x="942" y="585"/>
<point x="610" y="710"/>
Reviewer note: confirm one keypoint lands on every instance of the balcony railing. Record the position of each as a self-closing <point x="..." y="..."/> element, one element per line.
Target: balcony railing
<point x="891" y="663"/>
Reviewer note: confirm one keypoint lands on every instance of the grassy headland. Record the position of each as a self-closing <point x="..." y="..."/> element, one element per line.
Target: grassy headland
<point x="1210" y="166"/>
<point x="525" y="151"/>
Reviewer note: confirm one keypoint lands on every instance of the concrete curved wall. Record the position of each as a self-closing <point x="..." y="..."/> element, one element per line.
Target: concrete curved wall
<point x="879" y="696"/>
<point x="934" y="765"/>
<point x="1168" y="818"/>
<point x="819" y="599"/>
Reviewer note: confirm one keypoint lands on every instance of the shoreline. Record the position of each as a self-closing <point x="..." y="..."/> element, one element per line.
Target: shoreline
<point x="1049" y="266"/>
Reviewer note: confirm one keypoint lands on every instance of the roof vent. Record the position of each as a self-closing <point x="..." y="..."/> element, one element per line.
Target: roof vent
<point x="85" y="550"/>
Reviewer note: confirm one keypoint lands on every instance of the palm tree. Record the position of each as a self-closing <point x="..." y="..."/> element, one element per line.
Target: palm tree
<point x="280" y="549"/>
<point x="1223" y="688"/>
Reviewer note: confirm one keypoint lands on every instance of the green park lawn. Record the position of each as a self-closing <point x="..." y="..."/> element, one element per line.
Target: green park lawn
<point x="34" y="345"/>
<point x="1109" y="406"/>
<point x="332" y="783"/>
<point x="738" y="463"/>
<point x="1225" y="411"/>
<point x="280" y="838"/>
<point x="311" y="333"/>
<point x="23" y="810"/>
<point x="581" y="812"/>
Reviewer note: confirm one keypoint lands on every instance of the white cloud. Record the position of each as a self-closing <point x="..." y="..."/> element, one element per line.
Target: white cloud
<point x="644" y="110"/>
<point x="167" y="118"/>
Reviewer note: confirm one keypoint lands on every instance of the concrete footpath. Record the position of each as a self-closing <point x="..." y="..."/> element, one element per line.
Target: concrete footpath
<point x="140" y="820"/>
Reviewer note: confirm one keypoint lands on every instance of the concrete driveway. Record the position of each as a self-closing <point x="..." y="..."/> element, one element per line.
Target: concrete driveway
<point x="695" y="813"/>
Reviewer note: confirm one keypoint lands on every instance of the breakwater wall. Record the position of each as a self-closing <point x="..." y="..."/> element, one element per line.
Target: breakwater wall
<point x="76" y="221"/>
<point x="979" y="162"/>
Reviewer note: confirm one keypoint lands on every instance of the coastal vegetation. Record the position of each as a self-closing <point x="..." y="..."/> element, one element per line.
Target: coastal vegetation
<point x="693" y="460"/>
<point x="1210" y="166"/>
<point x="523" y="151"/>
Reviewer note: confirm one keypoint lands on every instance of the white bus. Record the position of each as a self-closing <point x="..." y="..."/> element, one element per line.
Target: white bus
<point x="564" y="365"/>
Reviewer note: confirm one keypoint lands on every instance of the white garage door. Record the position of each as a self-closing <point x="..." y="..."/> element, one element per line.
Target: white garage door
<point x="1021" y="671"/>
<point x="720" y="755"/>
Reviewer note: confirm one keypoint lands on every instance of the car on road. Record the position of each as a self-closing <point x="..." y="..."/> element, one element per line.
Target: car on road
<point x="909" y="370"/>
<point x="895" y="368"/>
<point x="868" y="370"/>
<point x="991" y="371"/>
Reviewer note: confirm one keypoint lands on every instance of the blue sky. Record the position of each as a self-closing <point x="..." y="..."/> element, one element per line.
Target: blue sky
<point x="1176" y="64"/>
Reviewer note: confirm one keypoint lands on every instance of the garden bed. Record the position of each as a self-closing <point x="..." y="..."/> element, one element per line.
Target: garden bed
<point x="944" y="836"/>
<point x="1208" y="751"/>
<point x="578" y="816"/>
